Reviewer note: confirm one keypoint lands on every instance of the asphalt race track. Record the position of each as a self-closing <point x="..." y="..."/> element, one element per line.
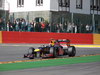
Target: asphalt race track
<point x="11" y="52"/>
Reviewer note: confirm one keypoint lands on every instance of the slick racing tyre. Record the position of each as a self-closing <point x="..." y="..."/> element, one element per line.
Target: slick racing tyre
<point x="31" y="53"/>
<point x="71" y="51"/>
<point x="53" y="51"/>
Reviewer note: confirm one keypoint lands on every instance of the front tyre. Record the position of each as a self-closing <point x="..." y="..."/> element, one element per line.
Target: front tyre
<point x="53" y="51"/>
<point x="32" y="53"/>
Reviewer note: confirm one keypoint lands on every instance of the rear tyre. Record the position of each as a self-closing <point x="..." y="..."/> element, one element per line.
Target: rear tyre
<point x="71" y="51"/>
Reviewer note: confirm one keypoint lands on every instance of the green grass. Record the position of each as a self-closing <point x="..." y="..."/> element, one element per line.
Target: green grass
<point x="47" y="63"/>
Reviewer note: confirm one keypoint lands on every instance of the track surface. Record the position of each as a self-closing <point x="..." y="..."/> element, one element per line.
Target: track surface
<point x="12" y="52"/>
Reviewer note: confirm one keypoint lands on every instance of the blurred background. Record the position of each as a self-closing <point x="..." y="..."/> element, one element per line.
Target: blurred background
<point x="60" y="16"/>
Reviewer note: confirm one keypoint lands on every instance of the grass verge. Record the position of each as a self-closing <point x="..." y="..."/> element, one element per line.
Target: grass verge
<point x="47" y="63"/>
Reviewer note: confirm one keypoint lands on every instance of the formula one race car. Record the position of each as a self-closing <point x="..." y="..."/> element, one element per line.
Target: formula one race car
<point x="52" y="51"/>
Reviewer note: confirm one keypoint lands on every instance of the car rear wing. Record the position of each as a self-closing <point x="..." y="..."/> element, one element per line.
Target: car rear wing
<point x="63" y="40"/>
<point x="67" y="41"/>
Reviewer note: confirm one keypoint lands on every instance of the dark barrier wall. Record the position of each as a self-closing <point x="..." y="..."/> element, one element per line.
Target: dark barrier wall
<point x="44" y="37"/>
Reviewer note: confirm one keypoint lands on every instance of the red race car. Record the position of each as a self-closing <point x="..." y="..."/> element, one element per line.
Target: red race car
<point x="55" y="50"/>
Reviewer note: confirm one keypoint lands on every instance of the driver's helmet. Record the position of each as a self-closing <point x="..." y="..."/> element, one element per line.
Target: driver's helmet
<point x="52" y="42"/>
